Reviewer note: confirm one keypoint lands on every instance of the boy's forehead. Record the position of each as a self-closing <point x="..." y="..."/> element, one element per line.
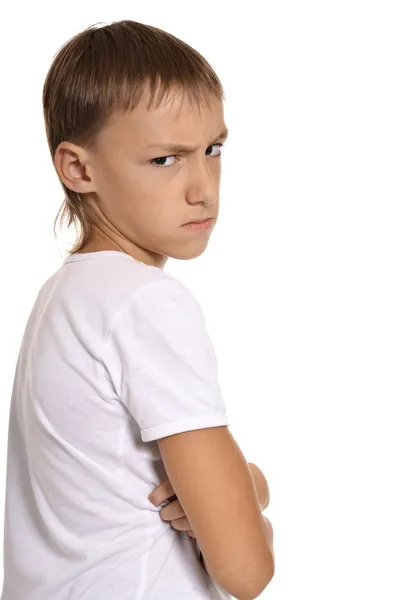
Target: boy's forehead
<point x="176" y="119"/>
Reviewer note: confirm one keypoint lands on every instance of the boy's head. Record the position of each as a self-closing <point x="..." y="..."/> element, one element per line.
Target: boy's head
<point x="113" y="99"/>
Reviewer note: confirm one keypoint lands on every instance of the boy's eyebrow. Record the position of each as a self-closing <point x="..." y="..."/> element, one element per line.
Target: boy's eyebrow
<point x="181" y="148"/>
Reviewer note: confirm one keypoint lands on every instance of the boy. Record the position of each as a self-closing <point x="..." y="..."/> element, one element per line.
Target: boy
<point x="116" y="386"/>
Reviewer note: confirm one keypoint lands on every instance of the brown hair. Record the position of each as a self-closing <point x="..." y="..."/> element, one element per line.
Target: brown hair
<point x="105" y="70"/>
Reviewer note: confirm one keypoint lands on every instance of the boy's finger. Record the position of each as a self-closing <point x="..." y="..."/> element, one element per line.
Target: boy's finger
<point x="161" y="493"/>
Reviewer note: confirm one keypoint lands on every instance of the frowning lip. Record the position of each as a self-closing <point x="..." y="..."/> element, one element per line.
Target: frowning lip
<point x="200" y="220"/>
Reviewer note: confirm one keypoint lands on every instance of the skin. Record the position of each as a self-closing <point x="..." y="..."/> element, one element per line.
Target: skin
<point x="135" y="206"/>
<point x="174" y="512"/>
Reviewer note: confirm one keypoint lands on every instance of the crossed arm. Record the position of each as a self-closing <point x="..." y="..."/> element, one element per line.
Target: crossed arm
<point x="262" y="490"/>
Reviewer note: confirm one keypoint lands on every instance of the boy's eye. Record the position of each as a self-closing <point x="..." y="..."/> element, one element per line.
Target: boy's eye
<point x="162" y="158"/>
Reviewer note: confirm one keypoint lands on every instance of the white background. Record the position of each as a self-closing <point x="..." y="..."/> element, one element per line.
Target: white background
<point x="299" y="282"/>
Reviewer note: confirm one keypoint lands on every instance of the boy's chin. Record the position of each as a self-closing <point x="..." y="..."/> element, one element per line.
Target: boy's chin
<point x="189" y="251"/>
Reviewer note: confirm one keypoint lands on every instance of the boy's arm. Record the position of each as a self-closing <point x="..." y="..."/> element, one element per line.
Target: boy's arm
<point x="262" y="491"/>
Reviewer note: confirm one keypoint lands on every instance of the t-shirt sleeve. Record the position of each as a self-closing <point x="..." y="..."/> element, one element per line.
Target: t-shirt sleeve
<point x="164" y="362"/>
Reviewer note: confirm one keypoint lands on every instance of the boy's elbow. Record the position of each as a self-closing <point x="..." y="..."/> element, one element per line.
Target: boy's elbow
<point x="248" y="581"/>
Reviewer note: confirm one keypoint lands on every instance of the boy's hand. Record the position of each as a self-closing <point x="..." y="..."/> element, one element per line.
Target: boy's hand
<point x="173" y="510"/>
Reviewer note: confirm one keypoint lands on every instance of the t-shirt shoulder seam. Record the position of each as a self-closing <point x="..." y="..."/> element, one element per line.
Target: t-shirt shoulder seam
<point x="131" y="297"/>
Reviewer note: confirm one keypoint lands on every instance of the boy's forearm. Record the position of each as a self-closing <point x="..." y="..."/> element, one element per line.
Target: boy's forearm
<point x="262" y="491"/>
<point x="202" y="559"/>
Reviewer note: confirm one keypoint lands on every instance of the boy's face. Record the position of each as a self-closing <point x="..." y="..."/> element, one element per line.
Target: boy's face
<point x="140" y="207"/>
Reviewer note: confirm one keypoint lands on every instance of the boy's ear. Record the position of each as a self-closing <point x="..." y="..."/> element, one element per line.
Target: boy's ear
<point x="71" y="163"/>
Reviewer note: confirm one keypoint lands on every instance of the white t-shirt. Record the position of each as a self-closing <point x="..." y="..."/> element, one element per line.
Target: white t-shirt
<point x="115" y="355"/>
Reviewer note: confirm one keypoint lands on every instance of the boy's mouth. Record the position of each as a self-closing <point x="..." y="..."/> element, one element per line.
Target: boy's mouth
<point x="200" y="225"/>
<point x="199" y="220"/>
